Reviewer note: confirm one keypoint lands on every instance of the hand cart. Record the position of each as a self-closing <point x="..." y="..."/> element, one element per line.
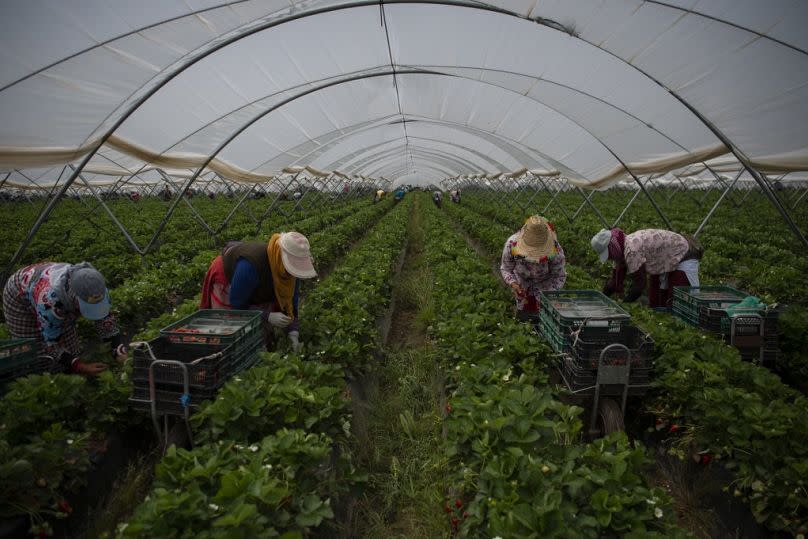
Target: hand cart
<point x="161" y="406"/>
<point x="188" y="364"/>
<point x="600" y="353"/>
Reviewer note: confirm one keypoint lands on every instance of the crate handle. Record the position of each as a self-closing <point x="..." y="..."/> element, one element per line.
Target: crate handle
<point x="215" y="355"/>
<point x="140" y="345"/>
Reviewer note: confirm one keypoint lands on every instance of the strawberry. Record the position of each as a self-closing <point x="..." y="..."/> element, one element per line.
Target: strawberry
<point x="446" y="508"/>
<point x="706" y="458"/>
<point x="65" y="507"/>
<point x="458" y="503"/>
<point x="674" y="428"/>
<point x="448" y="408"/>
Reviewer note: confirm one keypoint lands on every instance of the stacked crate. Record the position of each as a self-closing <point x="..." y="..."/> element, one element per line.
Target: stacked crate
<point x="212" y="345"/>
<point x="18" y="358"/>
<point x="754" y="332"/>
<point x="580" y="324"/>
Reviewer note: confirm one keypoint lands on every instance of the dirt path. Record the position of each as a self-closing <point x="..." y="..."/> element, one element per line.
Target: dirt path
<point x="400" y="429"/>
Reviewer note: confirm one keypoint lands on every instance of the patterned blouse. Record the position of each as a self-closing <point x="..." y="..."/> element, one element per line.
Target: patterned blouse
<point x="43" y="286"/>
<point x="533" y="277"/>
<point x="659" y="250"/>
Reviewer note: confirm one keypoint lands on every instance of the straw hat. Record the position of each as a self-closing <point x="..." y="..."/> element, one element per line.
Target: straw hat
<point x="536" y="239"/>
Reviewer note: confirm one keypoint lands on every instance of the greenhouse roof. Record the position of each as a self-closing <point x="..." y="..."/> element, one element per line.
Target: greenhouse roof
<point x="434" y="89"/>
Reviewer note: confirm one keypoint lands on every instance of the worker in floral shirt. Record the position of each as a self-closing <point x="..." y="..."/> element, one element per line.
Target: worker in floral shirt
<point x="533" y="261"/>
<point x="44" y="300"/>
<point x="669" y="258"/>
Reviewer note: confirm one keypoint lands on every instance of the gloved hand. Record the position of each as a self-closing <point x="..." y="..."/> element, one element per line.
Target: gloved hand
<point x="294" y="338"/>
<point x="279" y="320"/>
<point x="120" y="353"/>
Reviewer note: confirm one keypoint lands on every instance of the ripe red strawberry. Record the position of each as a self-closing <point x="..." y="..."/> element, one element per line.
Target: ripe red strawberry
<point x="706" y="458"/>
<point x="446" y="508"/>
<point x="455" y="521"/>
<point x="448" y="408"/>
<point x="458" y="503"/>
<point x="673" y="428"/>
<point x="64" y="507"/>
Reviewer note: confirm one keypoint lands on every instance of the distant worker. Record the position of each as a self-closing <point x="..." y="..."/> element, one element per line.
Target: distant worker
<point x="43" y="301"/>
<point x="456" y="196"/>
<point x="532" y="262"/>
<point x="399" y="196"/>
<point x="437" y="197"/>
<point x="378" y="196"/>
<point x="262" y="276"/>
<point x="670" y="259"/>
<point x="134" y="196"/>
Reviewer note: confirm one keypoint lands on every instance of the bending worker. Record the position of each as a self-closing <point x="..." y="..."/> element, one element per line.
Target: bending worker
<point x="43" y="301"/>
<point x="533" y="261"/>
<point x="379" y="196"/>
<point x="437" y="197"/>
<point x="265" y="276"/>
<point x="670" y="259"/>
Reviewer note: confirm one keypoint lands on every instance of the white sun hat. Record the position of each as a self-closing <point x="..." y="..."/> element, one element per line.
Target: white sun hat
<point x="296" y="255"/>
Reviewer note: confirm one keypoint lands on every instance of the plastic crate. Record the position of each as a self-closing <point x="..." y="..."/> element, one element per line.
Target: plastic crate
<point x="214" y="327"/>
<point x="640" y="346"/>
<point x="18" y="358"/>
<point x="209" y="366"/>
<point x="585" y="314"/>
<point x="16" y="353"/>
<point x="575" y="308"/>
<point x="688" y="301"/>
<point x="582" y="380"/>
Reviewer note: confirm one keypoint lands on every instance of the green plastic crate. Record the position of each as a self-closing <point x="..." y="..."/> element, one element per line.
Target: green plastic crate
<point x="16" y="354"/>
<point x="689" y="302"/>
<point x="589" y="312"/>
<point x="576" y="308"/>
<point x="214" y="327"/>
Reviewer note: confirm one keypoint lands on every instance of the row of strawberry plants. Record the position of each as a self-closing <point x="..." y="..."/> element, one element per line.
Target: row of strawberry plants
<point x="747" y="248"/>
<point x="153" y="290"/>
<point x="266" y="466"/>
<point x="518" y="466"/>
<point x="83" y="397"/>
<point x="722" y="407"/>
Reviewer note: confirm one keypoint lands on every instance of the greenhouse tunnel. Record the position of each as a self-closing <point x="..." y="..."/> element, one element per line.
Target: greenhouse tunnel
<point x="148" y="137"/>
<point x="598" y="92"/>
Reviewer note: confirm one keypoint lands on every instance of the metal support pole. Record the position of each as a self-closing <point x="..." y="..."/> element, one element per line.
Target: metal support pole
<point x="195" y="213"/>
<point x="623" y="213"/>
<point x="111" y="215"/>
<point x="587" y="200"/>
<point x="235" y="209"/>
<point x="799" y="199"/>
<point x="717" y="202"/>
<point x="651" y="199"/>
<point x="274" y="203"/>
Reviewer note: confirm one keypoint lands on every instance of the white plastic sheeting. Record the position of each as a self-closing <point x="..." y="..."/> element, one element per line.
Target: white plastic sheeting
<point x="584" y="87"/>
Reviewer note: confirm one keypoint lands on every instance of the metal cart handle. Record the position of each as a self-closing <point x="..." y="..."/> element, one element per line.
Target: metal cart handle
<point x="145" y="345"/>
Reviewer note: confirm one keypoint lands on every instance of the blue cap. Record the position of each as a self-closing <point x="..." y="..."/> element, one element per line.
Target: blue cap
<point x="88" y="285"/>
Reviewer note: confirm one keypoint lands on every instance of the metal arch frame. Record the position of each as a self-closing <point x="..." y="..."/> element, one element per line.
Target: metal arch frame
<point x="381" y="163"/>
<point x="381" y="156"/>
<point x="262" y="114"/>
<point x="354" y="161"/>
<point x="759" y="178"/>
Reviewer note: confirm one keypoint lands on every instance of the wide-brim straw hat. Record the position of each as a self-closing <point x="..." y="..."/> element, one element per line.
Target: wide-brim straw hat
<point x="296" y="255"/>
<point x="536" y="239"/>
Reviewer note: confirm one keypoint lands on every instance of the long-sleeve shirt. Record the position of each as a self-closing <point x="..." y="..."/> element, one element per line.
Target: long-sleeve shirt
<point x="244" y="283"/>
<point x="660" y="251"/>
<point x="37" y="305"/>
<point x="532" y="277"/>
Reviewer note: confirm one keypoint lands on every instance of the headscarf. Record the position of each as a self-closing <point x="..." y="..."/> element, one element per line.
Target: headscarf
<point x="282" y="281"/>
<point x="616" y="244"/>
<point x="616" y="252"/>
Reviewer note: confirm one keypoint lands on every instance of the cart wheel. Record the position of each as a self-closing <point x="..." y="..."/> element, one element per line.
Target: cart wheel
<point x="610" y="418"/>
